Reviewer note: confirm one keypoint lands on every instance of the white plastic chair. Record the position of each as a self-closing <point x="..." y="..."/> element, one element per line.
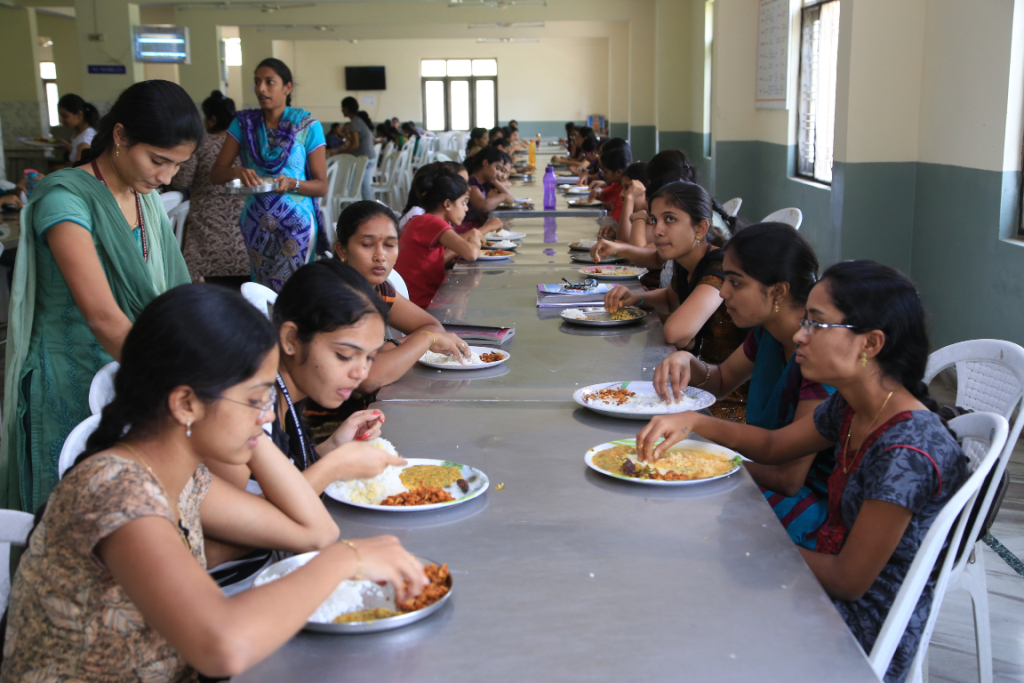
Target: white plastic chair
<point x="178" y="215"/>
<point x="101" y="391"/>
<point x="347" y="193"/>
<point x="983" y="436"/>
<point x="990" y="377"/>
<point x="791" y="216"/>
<point x="259" y="296"/>
<point x="325" y="201"/>
<point x="171" y="199"/>
<point x="732" y="207"/>
<point x="339" y="175"/>
<point x="74" y="445"/>
<point x="441" y="156"/>
<point x="398" y="282"/>
<point x="14" y="530"/>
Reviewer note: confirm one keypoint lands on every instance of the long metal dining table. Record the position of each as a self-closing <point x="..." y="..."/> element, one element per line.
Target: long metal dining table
<point x="561" y="574"/>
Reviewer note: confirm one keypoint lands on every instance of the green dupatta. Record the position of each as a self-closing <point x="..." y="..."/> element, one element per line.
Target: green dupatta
<point x="133" y="281"/>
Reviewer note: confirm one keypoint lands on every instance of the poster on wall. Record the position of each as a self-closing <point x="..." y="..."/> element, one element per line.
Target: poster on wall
<point x="773" y="55"/>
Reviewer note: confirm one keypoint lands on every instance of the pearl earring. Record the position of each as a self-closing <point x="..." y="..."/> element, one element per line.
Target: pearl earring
<point x="188" y="429"/>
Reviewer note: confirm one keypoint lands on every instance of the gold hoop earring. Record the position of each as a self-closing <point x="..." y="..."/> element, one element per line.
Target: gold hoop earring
<point x="188" y="429"/>
<point x="863" y="359"/>
<point x="776" y="306"/>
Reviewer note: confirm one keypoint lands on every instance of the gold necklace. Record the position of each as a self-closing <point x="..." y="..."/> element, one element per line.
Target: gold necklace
<point x="846" y="448"/>
<point x="181" y="530"/>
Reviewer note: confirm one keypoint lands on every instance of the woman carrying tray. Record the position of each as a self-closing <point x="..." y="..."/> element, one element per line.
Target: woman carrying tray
<point x="280" y="228"/>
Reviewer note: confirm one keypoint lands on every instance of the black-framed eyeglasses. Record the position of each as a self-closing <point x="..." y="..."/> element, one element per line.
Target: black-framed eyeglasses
<point x="810" y="326"/>
<point x="264" y="409"/>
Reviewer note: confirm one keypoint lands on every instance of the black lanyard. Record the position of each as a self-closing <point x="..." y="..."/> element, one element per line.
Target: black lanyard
<point x="308" y="458"/>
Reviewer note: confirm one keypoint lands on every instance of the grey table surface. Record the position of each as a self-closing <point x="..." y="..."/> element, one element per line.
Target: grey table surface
<point x="567" y="575"/>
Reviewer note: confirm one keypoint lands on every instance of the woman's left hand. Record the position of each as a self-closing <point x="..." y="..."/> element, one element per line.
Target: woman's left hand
<point x="285" y="184"/>
<point x="360" y="426"/>
<point x="451" y="345"/>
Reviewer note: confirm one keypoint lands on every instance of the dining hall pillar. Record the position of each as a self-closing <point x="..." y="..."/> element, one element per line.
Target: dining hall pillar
<point x="22" y="99"/>
<point x="105" y="46"/>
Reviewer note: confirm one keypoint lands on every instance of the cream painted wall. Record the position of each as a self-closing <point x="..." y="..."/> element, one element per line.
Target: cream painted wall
<point x="61" y="30"/>
<point x="551" y="80"/>
<point x="20" y="50"/>
<point x="735" y="69"/>
<point x="618" y="72"/>
<point x="674" y="85"/>
<point x="642" y="40"/>
<point x="114" y="20"/>
<point x="964" y="98"/>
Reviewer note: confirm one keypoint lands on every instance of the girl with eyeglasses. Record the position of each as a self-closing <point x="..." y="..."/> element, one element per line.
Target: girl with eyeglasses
<point x="113" y="583"/>
<point x="896" y="463"/>
<point x="769" y="271"/>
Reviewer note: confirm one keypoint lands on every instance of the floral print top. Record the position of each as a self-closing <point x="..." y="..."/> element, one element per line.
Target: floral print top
<point x="68" y="620"/>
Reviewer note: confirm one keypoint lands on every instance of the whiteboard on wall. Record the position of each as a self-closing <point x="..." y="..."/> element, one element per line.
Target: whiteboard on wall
<point x="773" y="55"/>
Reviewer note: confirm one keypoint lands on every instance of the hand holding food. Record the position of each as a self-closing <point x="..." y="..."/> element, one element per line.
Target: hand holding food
<point x="674" y="428"/>
<point x="249" y="177"/>
<point x="672" y="376"/>
<point x="451" y="345"/>
<point x="493" y="224"/>
<point x="360" y="460"/>
<point x="360" y="426"/>
<point x="603" y="249"/>
<point x="620" y="297"/>
<point x="384" y="560"/>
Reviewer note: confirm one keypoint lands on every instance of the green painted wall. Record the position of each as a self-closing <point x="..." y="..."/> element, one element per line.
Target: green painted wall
<point x="618" y="130"/>
<point x="694" y="145"/>
<point x="548" y="129"/>
<point x="643" y="142"/>
<point x="874" y="218"/>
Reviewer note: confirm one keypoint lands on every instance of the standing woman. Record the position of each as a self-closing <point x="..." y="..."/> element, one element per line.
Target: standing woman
<point x="213" y="244"/>
<point x="280" y="228"/>
<point x="96" y="247"/>
<point x="81" y="117"/>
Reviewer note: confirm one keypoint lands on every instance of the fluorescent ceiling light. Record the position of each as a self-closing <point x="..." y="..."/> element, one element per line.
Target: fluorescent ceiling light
<point x="498" y="4"/>
<point x="508" y="40"/>
<point x="510" y="24"/>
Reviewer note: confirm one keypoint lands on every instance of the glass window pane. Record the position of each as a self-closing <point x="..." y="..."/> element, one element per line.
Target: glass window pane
<point x="460" y="105"/>
<point x="434" y="93"/>
<point x="460" y="67"/>
<point x="48" y="70"/>
<point x="485" y="67"/>
<point x="233" y="51"/>
<point x="485" y="104"/>
<point x="432" y="68"/>
<point x="51" y="103"/>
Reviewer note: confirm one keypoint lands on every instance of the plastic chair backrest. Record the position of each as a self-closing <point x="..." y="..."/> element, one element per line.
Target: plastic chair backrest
<point x="790" y="216"/>
<point x="732" y="207"/>
<point x="259" y="296"/>
<point x="983" y="436"/>
<point x="178" y="215"/>
<point x="398" y="282"/>
<point x="101" y="391"/>
<point x="74" y="445"/>
<point x="440" y="156"/>
<point x="171" y="199"/>
<point x="14" y="530"/>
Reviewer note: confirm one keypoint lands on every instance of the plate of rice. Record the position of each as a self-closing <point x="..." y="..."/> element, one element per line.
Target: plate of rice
<point x="638" y="400"/>
<point x="613" y="272"/>
<point x="403" y="489"/>
<point x="504" y="234"/>
<point x="687" y="462"/>
<point x="480" y="357"/>
<point x="598" y="316"/>
<point x="363" y="606"/>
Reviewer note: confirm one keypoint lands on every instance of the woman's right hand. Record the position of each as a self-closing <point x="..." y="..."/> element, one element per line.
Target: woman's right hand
<point x="383" y="559"/>
<point x="451" y="345"/>
<point x="493" y="224"/>
<point x="620" y="297"/>
<point x="359" y="460"/>
<point x="603" y="248"/>
<point x="249" y="177"/>
<point x="672" y="376"/>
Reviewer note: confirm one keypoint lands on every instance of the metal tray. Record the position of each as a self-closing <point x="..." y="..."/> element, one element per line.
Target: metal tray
<point x="525" y="177"/>
<point x="601" y="317"/>
<point x="236" y="187"/>
<point x="370" y="602"/>
<point x="584" y="257"/>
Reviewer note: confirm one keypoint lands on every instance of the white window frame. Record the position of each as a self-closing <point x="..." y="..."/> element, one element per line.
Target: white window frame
<point x="447" y="81"/>
<point x="817" y="92"/>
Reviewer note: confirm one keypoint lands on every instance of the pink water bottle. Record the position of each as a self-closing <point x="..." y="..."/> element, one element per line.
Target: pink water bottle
<point x="550" y="185"/>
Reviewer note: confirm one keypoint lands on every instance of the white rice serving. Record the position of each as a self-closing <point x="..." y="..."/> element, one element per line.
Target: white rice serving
<point x="503" y="244"/>
<point x="501" y="233"/>
<point x="575" y="314"/>
<point x="646" y="404"/>
<point x="370" y="491"/>
<point x="347" y="597"/>
<point x="444" y="359"/>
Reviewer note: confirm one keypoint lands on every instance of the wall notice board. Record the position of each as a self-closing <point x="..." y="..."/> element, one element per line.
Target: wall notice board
<point x="773" y="55"/>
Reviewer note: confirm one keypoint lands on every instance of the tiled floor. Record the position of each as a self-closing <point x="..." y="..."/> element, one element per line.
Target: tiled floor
<point x="951" y="655"/>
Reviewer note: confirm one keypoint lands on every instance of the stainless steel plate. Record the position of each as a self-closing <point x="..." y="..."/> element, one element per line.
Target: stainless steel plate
<point x="585" y="258"/>
<point x="236" y="187"/>
<point x="370" y="601"/>
<point x="582" y="245"/>
<point x="602" y="318"/>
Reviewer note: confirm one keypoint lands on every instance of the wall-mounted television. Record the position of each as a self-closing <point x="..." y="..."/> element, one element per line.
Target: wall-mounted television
<point x="364" y="78"/>
<point x="161" y="44"/>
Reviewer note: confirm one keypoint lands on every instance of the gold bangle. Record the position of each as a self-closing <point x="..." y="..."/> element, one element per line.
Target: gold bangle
<point x="638" y="218"/>
<point x="707" y="376"/>
<point x="433" y="339"/>
<point x="358" y="576"/>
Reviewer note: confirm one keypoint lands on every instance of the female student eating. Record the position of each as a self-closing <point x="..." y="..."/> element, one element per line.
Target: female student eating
<point x="485" y="195"/>
<point x="897" y="464"/>
<point x="113" y="583"/>
<point x="769" y="271"/>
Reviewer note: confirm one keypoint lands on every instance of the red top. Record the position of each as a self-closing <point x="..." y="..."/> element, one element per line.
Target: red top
<point x="613" y="195"/>
<point x="421" y="257"/>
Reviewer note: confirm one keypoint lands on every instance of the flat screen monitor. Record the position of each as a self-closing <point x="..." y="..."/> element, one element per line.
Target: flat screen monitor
<point x="364" y="78"/>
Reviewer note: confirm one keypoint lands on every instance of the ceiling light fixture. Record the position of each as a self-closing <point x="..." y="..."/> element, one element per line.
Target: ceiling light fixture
<point x="510" y="24"/>
<point x="508" y="40"/>
<point x="498" y="4"/>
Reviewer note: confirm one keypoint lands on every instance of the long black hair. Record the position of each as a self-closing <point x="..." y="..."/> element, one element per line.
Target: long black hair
<point x="354" y="215"/>
<point x="202" y="336"/>
<point x="618" y="158"/>
<point x="282" y="70"/>
<point x="873" y="296"/>
<point x="668" y="166"/>
<point x="474" y="135"/>
<point x="692" y="199"/>
<point x="76" y="105"/>
<point x="637" y="171"/>
<point x="440" y="188"/>
<point x="776" y="252"/>
<point x="324" y="296"/>
<point x="157" y="113"/>
<point x="423" y="179"/>
<point x="220" y="108"/>
<point x="491" y="154"/>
